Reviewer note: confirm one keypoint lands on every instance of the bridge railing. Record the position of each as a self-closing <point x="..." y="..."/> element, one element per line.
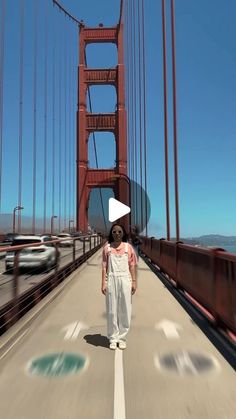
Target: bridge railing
<point x="207" y="274"/>
<point x="19" y="293"/>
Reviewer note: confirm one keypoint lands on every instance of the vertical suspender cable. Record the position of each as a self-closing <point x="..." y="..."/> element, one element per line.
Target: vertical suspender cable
<point x="21" y="63"/>
<point x="165" y="119"/>
<point x="35" y="115"/>
<point x="140" y="117"/>
<point x="69" y="128"/>
<point x="65" y="128"/>
<point x="60" y="137"/>
<point x="144" y="115"/>
<point x="53" y="117"/>
<point x="131" y="113"/>
<point x="2" y="44"/>
<point x="130" y="95"/>
<point x="134" y="114"/>
<point x="175" y="119"/>
<point x="45" y="119"/>
<point x="127" y="92"/>
<point x="73" y="134"/>
<point x="129" y="89"/>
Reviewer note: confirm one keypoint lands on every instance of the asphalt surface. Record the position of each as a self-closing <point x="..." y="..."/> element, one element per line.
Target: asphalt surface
<point x="169" y="370"/>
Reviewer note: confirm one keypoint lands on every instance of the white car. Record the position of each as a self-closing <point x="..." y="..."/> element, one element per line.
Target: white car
<point x="44" y="256"/>
<point x="67" y="239"/>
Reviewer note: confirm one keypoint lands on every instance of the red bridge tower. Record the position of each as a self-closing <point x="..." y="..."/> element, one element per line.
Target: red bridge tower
<point x="87" y="178"/>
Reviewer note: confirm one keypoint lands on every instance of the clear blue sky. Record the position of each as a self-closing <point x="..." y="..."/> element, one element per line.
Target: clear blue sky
<point x="206" y="100"/>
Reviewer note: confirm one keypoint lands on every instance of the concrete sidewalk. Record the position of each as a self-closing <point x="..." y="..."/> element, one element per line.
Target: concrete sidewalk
<point x="170" y="369"/>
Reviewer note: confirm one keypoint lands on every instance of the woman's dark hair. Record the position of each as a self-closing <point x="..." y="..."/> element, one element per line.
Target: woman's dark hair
<point x="110" y="237"/>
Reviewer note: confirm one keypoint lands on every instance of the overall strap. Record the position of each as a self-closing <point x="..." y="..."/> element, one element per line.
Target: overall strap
<point x="126" y="247"/>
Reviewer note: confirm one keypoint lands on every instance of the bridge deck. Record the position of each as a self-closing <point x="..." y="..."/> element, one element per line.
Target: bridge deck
<point x="182" y="391"/>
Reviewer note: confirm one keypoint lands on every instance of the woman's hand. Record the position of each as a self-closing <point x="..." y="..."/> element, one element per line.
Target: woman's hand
<point x="134" y="287"/>
<point x="104" y="288"/>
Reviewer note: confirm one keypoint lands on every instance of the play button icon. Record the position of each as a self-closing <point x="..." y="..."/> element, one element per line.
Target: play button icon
<point x="117" y="209"/>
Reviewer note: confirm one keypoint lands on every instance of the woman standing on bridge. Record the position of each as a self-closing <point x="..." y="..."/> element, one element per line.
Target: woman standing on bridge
<point x="118" y="283"/>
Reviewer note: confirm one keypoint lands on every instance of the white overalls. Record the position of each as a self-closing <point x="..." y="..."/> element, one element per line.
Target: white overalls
<point x="118" y="296"/>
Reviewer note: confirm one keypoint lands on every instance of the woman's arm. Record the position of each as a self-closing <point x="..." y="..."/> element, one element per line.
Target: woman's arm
<point x="104" y="284"/>
<point x="104" y="271"/>
<point x="132" y="270"/>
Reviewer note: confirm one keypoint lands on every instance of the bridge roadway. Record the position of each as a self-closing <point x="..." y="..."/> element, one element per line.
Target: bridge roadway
<point x="29" y="279"/>
<point x="128" y="384"/>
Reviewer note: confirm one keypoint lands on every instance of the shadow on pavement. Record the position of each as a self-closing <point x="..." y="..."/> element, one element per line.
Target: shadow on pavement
<point x="97" y="340"/>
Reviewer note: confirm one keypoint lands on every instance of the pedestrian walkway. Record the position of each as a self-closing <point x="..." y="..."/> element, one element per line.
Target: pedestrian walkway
<point x="59" y="365"/>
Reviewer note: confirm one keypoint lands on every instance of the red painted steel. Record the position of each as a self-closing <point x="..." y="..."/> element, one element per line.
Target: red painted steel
<point x="101" y="122"/>
<point x="100" y="34"/>
<point x="100" y="76"/>
<point x="104" y="177"/>
<point x="89" y="122"/>
<point x="208" y="275"/>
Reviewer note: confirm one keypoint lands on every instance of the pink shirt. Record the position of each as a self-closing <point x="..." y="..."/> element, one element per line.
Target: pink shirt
<point x="120" y="250"/>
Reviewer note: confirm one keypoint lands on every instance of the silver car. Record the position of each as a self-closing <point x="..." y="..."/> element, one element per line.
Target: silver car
<point x="44" y="256"/>
<point x="67" y="240"/>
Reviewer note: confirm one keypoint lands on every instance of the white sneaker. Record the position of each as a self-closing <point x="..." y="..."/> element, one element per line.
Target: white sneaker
<point x="113" y="345"/>
<point x="122" y="344"/>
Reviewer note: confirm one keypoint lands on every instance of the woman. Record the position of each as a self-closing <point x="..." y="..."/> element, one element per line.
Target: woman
<point x="118" y="283"/>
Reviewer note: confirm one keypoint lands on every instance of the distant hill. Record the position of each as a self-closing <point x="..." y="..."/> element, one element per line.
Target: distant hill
<point x="211" y="240"/>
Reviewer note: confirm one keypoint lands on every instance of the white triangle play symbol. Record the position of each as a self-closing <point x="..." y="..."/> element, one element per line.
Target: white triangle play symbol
<point x="117" y="210"/>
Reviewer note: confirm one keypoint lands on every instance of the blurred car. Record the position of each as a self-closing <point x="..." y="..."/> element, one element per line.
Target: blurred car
<point x="76" y="233"/>
<point x="67" y="242"/>
<point x="44" y="256"/>
<point x="9" y="237"/>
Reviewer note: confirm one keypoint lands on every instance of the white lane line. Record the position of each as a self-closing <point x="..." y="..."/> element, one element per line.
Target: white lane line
<point x="16" y="341"/>
<point x="119" y="391"/>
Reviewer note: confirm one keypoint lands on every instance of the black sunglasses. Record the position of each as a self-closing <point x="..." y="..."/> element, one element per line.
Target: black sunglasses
<point x="118" y="231"/>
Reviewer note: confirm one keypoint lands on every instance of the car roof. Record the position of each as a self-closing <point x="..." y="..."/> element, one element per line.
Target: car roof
<point x="22" y="237"/>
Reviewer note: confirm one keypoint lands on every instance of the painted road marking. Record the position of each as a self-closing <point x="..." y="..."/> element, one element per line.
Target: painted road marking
<point x="57" y="364"/>
<point x="73" y="330"/>
<point x="119" y="391"/>
<point x="184" y="363"/>
<point x="16" y="341"/>
<point x="187" y="363"/>
<point x="169" y="328"/>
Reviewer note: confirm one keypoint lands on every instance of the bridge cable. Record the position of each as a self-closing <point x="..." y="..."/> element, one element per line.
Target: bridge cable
<point x="45" y="119"/>
<point x="165" y="118"/>
<point x="2" y="46"/>
<point x="131" y="112"/>
<point x="60" y="137"/>
<point x="70" y="66"/>
<point x="20" y="141"/>
<point x="95" y="151"/>
<point x="78" y="22"/>
<point x="140" y="115"/>
<point x="74" y="136"/>
<point x="135" y="115"/>
<point x="144" y="114"/>
<point x="175" y="119"/>
<point x="65" y="123"/>
<point x="53" y="117"/>
<point x="34" y="151"/>
<point x="127" y="92"/>
<point x="121" y="13"/>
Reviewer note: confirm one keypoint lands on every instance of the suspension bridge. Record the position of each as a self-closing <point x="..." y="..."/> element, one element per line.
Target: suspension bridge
<point x="55" y="360"/>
